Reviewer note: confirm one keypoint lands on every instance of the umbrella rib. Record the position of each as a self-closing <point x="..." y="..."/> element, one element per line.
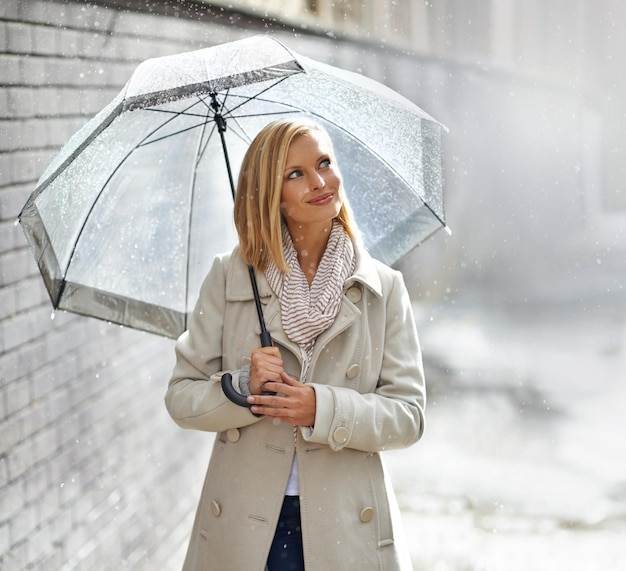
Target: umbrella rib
<point x="199" y="151"/>
<point x="269" y="113"/>
<point x="146" y="143"/>
<point x="205" y="117"/>
<point x="274" y="102"/>
<point x="238" y="131"/>
<point x="246" y="98"/>
<point x="229" y="112"/>
<point x="143" y="144"/>
<point x="256" y="95"/>
<point x="172" y="118"/>
<point x="206" y="143"/>
<point x="175" y="113"/>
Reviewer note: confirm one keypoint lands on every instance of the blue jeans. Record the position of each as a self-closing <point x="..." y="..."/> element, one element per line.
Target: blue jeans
<point x="286" y="551"/>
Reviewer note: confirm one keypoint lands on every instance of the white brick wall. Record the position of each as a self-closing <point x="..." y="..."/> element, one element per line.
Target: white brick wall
<point x="93" y="473"/>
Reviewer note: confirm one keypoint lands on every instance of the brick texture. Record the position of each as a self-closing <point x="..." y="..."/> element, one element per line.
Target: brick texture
<point x="93" y="472"/>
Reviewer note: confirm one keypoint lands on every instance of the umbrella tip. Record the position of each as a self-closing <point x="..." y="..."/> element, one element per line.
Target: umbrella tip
<point x="447" y="229"/>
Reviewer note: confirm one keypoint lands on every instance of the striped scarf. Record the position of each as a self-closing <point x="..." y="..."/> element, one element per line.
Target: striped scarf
<point x="307" y="312"/>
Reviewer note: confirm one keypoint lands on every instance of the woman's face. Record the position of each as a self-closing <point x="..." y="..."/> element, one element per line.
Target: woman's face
<point x="311" y="182"/>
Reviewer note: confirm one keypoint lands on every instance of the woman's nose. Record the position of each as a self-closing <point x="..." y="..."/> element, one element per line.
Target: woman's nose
<point x="317" y="181"/>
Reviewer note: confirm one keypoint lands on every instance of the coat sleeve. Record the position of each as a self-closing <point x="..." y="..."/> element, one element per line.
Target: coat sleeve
<point x="194" y="396"/>
<point x="392" y="416"/>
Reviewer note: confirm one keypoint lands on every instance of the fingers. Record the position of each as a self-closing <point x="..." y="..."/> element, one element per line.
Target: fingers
<point x="295" y="404"/>
<point x="266" y="364"/>
<point x="290" y="380"/>
<point x="270" y="400"/>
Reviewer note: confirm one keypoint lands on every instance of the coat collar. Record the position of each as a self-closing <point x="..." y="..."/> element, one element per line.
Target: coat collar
<point x="365" y="272"/>
<point x="238" y="286"/>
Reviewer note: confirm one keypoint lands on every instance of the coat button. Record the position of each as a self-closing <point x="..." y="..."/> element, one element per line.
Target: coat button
<point x="341" y="435"/>
<point x="233" y="434"/>
<point x="216" y="508"/>
<point x="366" y="514"/>
<point x="354" y="294"/>
<point x="353" y="371"/>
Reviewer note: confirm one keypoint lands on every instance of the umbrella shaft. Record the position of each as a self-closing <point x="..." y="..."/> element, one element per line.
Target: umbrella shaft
<point x="230" y="172"/>
<point x="266" y="338"/>
<point x="220" y="122"/>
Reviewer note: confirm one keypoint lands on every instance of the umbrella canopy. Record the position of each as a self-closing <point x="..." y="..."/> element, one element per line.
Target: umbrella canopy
<point x="126" y="219"/>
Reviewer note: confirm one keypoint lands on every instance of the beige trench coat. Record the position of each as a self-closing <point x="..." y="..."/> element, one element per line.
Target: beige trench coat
<point x="367" y="373"/>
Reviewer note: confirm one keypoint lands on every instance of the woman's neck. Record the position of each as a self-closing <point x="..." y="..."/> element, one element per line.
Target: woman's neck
<point x="310" y="243"/>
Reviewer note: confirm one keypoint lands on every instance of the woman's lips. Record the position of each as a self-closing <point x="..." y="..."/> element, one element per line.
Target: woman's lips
<point x="322" y="199"/>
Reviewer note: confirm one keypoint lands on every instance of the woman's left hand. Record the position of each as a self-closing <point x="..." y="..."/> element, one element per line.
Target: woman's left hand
<point x="294" y="405"/>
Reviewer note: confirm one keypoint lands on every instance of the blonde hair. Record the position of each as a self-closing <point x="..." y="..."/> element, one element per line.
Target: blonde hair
<point x="259" y="189"/>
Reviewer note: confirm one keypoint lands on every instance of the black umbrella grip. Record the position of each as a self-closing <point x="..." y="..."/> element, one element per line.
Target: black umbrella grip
<point x="227" y="379"/>
<point x="231" y="393"/>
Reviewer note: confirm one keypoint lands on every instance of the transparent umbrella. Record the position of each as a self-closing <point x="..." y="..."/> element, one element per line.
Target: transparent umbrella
<point x="126" y="219"/>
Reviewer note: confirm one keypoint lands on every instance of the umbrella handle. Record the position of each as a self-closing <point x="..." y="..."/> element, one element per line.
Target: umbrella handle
<point x="227" y="379"/>
<point x="266" y="341"/>
<point x="231" y="393"/>
<point x="234" y="396"/>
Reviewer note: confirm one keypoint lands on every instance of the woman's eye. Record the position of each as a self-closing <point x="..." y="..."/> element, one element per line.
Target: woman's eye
<point x="294" y="174"/>
<point x="325" y="163"/>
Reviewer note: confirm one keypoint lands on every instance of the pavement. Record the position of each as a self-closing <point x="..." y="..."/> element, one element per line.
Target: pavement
<point x="523" y="462"/>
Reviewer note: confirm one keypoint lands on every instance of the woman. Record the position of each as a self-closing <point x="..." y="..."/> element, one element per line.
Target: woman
<point x="296" y="482"/>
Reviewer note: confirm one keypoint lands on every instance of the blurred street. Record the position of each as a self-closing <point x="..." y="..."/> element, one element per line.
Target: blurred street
<point x="523" y="463"/>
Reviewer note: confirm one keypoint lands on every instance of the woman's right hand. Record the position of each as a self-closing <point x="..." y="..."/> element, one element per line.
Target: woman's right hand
<point x="266" y="364"/>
